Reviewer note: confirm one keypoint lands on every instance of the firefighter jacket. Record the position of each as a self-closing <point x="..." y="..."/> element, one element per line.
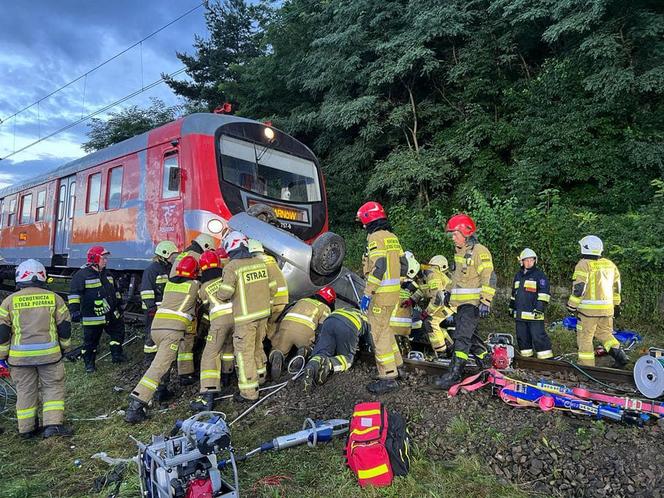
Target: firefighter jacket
<point x="530" y="294"/>
<point x="194" y="250"/>
<point x="95" y="295"/>
<point x="382" y="268"/>
<point x="34" y="327"/>
<point x="595" y="287"/>
<point x="433" y="287"/>
<point x="278" y="286"/>
<point x="308" y="313"/>
<point x="178" y="307"/>
<point x="473" y="278"/>
<point x="353" y="318"/>
<point x="153" y="282"/>
<point x="219" y="313"/>
<point x="246" y="283"/>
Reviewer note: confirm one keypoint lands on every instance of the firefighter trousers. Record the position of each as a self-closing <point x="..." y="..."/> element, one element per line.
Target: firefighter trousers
<point x="227" y="356"/>
<point x="338" y="344"/>
<point x="532" y="338"/>
<point x="272" y="323"/>
<point x="185" y="357"/>
<point x="466" y="339"/>
<point x="115" y="329"/>
<point x="168" y="342"/>
<point x="386" y="350"/>
<point x="249" y="354"/>
<point x="33" y="381"/>
<point x="211" y="359"/>
<point x="594" y="327"/>
<point x="438" y="336"/>
<point x="149" y="347"/>
<point x="292" y="334"/>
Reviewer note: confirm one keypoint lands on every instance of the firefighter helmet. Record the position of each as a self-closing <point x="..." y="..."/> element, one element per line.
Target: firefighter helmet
<point x="209" y="260"/>
<point x="413" y="265"/>
<point x="234" y="240"/>
<point x="165" y="249"/>
<point x="30" y="271"/>
<point x="439" y="261"/>
<point x="591" y="245"/>
<point x="528" y="253"/>
<point x="221" y="254"/>
<point x="461" y="223"/>
<point x="328" y="294"/>
<point x="370" y="211"/>
<point x="206" y="241"/>
<point x="255" y="246"/>
<point x="95" y="253"/>
<point x="187" y="267"/>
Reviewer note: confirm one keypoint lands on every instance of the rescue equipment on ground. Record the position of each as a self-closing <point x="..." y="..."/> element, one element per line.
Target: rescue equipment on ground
<point x="378" y="445"/>
<point x="548" y="396"/>
<point x="501" y="347"/>
<point x="627" y="338"/>
<point x="186" y="465"/>
<point x="649" y="373"/>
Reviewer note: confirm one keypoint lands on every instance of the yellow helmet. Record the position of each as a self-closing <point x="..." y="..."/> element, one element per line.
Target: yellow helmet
<point x="206" y="241"/>
<point x="165" y="248"/>
<point x="439" y="261"/>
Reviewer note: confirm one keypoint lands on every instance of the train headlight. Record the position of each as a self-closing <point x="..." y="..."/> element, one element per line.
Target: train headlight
<point x="269" y="133"/>
<point x="215" y="225"/>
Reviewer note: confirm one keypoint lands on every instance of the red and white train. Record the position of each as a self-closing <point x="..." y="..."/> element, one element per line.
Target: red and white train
<point x="184" y="178"/>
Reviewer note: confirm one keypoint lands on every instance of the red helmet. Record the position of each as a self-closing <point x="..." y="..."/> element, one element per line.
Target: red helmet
<point x="187" y="267"/>
<point x="95" y="253"/>
<point x="209" y="260"/>
<point x="222" y="254"/>
<point x="370" y="211"/>
<point x="462" y="223"/>
<point x="327" y="293"/>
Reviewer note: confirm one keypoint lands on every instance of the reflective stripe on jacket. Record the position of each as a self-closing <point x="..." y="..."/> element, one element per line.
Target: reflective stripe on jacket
<point x="382" y="268"/>
<point x="530" y="294"/>
<point x="178" y="308"/>
<point x="596" y="287"/>
<point x="246" y="283"/>
<point x="473" y="277"/>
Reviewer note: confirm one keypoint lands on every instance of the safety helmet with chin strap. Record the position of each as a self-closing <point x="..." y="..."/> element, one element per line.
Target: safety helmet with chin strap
<point x="527" y="253"/>
<point x="591" y="245"/>
<point x="30" y="271"/>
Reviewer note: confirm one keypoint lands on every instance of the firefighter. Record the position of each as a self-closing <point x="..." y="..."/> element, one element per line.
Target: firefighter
<point x="201" y="243"/>
<point x="95" y="302"/>
<point x="530" y="296"/>
<point x="298" y="328"/>
<point x="596" y="299"/>
<point x="401" y="320"/>
<point x="278" y="297"/>
<point x="169" y="327"/>
<point x="34" y="332"/>
<point x="335" y="346"/>
<point x="153" y="282"/>
<point x="220" y="315"/>
<point x="470" y="292"/>
<point x="246" y="283"/>
<point x="382" y="270"/>
<point x="435" y="280"/>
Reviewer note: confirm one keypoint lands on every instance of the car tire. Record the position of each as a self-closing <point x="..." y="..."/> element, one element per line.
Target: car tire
<point x="327" y="253"/>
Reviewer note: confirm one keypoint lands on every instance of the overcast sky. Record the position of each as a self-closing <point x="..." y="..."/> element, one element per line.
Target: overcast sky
<point x="44" y="44"/>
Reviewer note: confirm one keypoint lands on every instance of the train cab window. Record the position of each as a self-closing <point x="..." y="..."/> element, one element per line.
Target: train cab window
<point x="72" y="199"/>
<point x="114" y="189"/>
<point x="26" y="209"/>
<point x="94" y="193"/>
<point x="41" y="206"/>
<point x="62" y="198"/>
<point x="170" y="184"/>
<point x="12" y="212"/>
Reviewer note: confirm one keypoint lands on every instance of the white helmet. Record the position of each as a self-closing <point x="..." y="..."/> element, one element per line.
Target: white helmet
<point x="206" y="241"/>
<point x="528" y="253"/>
<point x="165" y="249"/>
<point x="413" y="264"/>
<point x="234" y="240"/>
<point x="255" y="246"/>
<point x="30" y="271"/>
<point x="439" y="261"/>
<point x="591" y="245"/>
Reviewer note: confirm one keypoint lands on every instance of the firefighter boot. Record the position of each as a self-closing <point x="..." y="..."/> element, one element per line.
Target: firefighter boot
<point x="187" y="380"/>
<point x="117" y="355"/>
<point x="300" y="359"/>
<point x="226" y="379"/>
<point x="57" y="430"/>
<point x="619" y="356"/>
<point x="204" y="403"/>
<point x="276" y="364"/>
<point x="162" y="394"/>
<point x="454" y="376"/>
<point x="135" y="411"/>
<point x="382" y="386"/>
<point x="89" y="357"/>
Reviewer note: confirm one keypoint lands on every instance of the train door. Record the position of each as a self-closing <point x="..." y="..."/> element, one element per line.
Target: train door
<point x="65" y="215"/>
<point x="170" y="210"/>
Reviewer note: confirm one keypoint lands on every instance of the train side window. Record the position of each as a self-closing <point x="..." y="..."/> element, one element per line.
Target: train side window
<point x="94" y="192"/>
<point x="41" y="206"/>
<point x="12" y="212"/>
<point x="62" y="197"/>
<point x="170" y="183"/>
<point x="26" y="209"/>
<point x="72" y="199"/>
<point x="114" y="190"/>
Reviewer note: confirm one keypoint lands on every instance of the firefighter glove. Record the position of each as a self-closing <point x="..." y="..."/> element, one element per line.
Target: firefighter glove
<point x="364" y="303"/>
<point x="76" y="317"/>
<point x="4" y="369"/>
<point x="424" y="315"/>
<point x="408" y="303"/>
<point x="616" y="311"/>
<point x="484" y="310"/>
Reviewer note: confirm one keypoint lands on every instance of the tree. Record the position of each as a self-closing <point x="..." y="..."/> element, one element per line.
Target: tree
<point x="127" y="123"/>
